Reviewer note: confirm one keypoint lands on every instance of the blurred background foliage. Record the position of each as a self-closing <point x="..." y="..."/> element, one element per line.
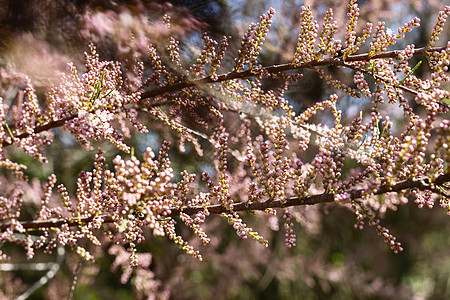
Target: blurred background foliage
<point x="332" y="259"/>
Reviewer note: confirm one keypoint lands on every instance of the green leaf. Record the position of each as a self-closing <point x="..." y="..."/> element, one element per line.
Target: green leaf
<point x="412" y="71"/>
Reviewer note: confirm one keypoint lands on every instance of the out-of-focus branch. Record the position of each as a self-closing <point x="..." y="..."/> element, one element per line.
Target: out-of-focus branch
<point x="422" y="183"/>
<point x="47" y="276"/>
<point x="338" y="61"/>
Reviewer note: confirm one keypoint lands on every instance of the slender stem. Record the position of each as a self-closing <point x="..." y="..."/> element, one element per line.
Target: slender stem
<point x="38" y="129"/>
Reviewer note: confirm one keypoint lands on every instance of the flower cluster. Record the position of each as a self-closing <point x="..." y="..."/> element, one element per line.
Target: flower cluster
<point x="327" y="44"/>
<point x="350" y="32"/>
<point x="307" y="36"/>
<point x="93" y="101"/>
<point x="252" y="42"/>
<point x="290" y="237"/>
<point x="438" y="26"/>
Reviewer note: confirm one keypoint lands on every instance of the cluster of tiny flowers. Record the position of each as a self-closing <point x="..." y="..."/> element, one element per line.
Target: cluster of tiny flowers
<point x="252" y="42"/>
<point x="383" y="71"/>
<point x="275" y="168"/>
<point x="218" y="57"/>
<point x="439" y="63"/>
<point x="362" y="212"/>
<point x="439" y="26"/>
<point x="182" y="190"/>
<point x="359" y="215"/>
<point x="329" y="165"/>
<point x="151" y="196"/>
<point x="92" y="101"/>
<point x="303" y="135"/>
<point x="307" y="37"/>
<point x="185" y="133"/>
<point x="382" y="38"/>
<point x="300" y="188"/>
<point x="10" y="206"/>
<point x="169" y="227"/>
<point x="389" y="239"/>
<point x="407" y="27"/>
<point x="362" y="84"/>
<point x="208" y="53"/>
<point x="423" y="198"/>
<point x="290" y="237"/>
<point x="222" y="190"/>
<point x="267" y="174"/>
<point x="136" y="195"/>
<point x="242" y="230"/>
<point x="160" y="73"/>
<point x="310" y="111"/>
<point x="443" y="142"/>
<point x="16" y="168"/>
<point x="339" y="84"/>
<point x="342" y="197"/>
<point x="403" y="57"/>
<point x="327" y="44"/>
<point x="65" y="198"/>
<point x="194" y="224"/>
<point x="174" y="52"/>
<point x="145" y="283"/>
<point x="252" y="92"/>
<point x="350" y="32"/>
<point x="362" y="39"/>
<point x="25" y="115"/>
<point x="216" y="191"/>
<point x="182" y="199"/>
<point x="121" y="259"/>
<point x="44" y="212"/>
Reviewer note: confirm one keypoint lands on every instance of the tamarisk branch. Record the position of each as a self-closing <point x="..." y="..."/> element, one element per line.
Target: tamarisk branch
<point x="422" y="184"/>
<point x="338" y="61"/>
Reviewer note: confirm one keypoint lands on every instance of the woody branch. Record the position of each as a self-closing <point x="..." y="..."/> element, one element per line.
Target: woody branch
<point x="421" y="183"/>
<point x="242" y="74"/>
